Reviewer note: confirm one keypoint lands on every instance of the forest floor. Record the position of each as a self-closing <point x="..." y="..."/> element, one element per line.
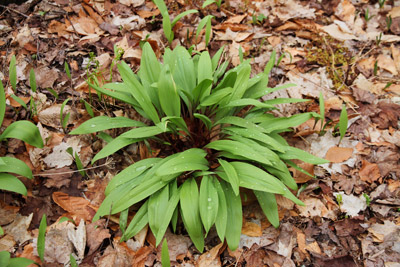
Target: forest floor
<point x="347" y="49"/>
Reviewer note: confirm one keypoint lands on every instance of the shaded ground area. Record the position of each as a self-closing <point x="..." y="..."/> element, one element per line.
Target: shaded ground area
<point x="348" y="50"/>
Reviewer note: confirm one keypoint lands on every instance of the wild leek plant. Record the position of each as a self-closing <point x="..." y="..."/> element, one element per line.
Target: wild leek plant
<point x="25" y="131"/>
<point x="215" y="136"/>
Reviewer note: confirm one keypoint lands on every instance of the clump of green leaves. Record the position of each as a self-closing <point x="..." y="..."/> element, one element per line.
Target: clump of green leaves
<point x="215" y="135"/>
<point x="22" y="130"/>
<point x="209" y="2"/>
<point x="7" y="261"/>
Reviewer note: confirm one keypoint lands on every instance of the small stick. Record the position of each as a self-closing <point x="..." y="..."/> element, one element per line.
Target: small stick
<point x="13" y="10"/>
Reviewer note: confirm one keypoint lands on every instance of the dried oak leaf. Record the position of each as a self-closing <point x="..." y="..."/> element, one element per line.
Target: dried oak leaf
<point x="369" y="172"/>
<point x="78" y="206"/>
<point x="388" y="115"/>
<point x="57" y="178"/>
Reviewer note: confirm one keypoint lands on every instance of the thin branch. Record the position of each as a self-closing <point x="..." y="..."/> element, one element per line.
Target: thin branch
<point x="13" y="10"/>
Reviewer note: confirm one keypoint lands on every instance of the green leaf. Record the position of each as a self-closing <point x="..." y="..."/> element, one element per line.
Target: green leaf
<point x="278" y="101"/>
<point x="216" y="57"/>
<point x="322" y="108"/>
<point x="247" y="102"/>
<point x="167" y="27"/>
<point x="72" y="261"/>
<point x="11" y="183"/>
<point x="123" y="95"/>
<point x="13" y="165"/>
<point x="222" y="218"/>
<point x="285" y="122"/>
<point x="88" y="108"/>
<point x="19" y="100"/>
<point x="2" y="103"/>
<point x="201" y="91"/>
<point x="207" y="122"/>
<point x="234" y="211"/>
<point x="295" y="153"/>
<point x="343" y="121"/>
<point x="231" y="174"/>
<point x="216" y="97"/>
<point x="1" y="231"/>
<point x="189" y="160"/>
<point x="271" y="63"/>
<point x="138" y="222"/>
<point x="208" y="202"/>
<point x="161" y="6"/>
<point x="142" y="132"/>
<point x="13" y="73"/>
<point x="138" y="92"/>
<point x="208" y="32"/>
<point x="158" y="203"/>
<point x="165" y="255"/>
<point x="184" y="71"/>
<point x="203" y="23"/>
<point x="20" y="262"/>
<point x="41" y="237"/>
<point x="4" y="258"/>
<point x="168" y="94"/>
<point x="64" y="119"/>
<point x="102" y="123"/>
<point x="130" y="173"/>
<point x="123" y="220"/>
<point x="67" y="71"/>
<point x="238" y="148"/>
<point x="65" y="219"/>
<point x="114" y="146"/>
<point x="168" y="215"/>
<point x="189" y="200"/>
<point x="269" y="206"/>
<point x="181" y="15"/>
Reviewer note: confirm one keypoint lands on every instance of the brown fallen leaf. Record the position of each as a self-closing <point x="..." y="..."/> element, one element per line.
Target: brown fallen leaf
<point x="57" y="178"/>
<point x="387" y="63"/>
<point x="96" y="233"/>
<point x="369" y="172"/>
<point x="80" y="207"/>
<point x="339" y="154"/>
<point x="210" y="258"/>
<point x="235" y="19"/>
<point x="251" y="229"/>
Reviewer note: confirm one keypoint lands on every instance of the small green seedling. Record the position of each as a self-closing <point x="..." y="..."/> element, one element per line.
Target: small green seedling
<point x="367" y="199"/>
<point x="205" y="22"/>
<point x="381" y="3"/>
<point x="78" y="161"/>
<point x="64" y="119"/>
<point x="67" y="70"/>
<point x="7" y="261"/>
<point x="42" y="237"/>
<point x="367" y="16"/>
<point x="379" y="39"/>
<point x="168" y="25"/>
<point x="123" y="220"/>
<point x="64" y="219"/>
<point x="389" y="22"/>
<point x="165" y="262"/>
<point x="343" y="122"/>
<point x="13" y="73"/>
<point x="32" y="80"/>
<point x="376" y="68"/>
<point x="339" y="199"/>
<point x="209" y="2"/>
<point x="72" y="261"/>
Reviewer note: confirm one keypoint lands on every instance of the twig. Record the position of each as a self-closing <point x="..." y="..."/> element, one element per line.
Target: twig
<point x="15" y="11"/>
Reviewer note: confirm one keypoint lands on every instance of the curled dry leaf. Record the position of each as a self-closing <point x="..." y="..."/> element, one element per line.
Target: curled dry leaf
<point x="77" y="206"/>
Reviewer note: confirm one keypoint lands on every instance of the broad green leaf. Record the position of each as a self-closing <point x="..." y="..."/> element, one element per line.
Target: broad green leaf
<point x="189" y="160"/>
<point x="13" y="73"/>
<point x="234" y="211"/>
<point x="281" y="172"/>
<point x="216" y="97"/>
<point x="285" y="122"/>
<point x="165" y="255"/>
<point x="204" y="67"/>
<point x="130" y="173"/>
<point x="1" y="231"/>
<point x="295" y="153"/>
<point x="13" y="165"/>
<point x="72" y="261"/>
<point x="238" y="148"/>
<point x="256" y="135"/>
<point x="240" y="85"/>
<point x="114" y="146"/>
<point x="269" y="206"/>
<point x="149" y="73"/>
<point x="247" y="102"/>
<point x="4" y="258"/>
<point x="343" y="121"/>
<point x="138" y="92"/>
<point x="2" y="103"/>
<point x="260" y="91"/>
<point x="173" y="189"/>
<point x="11" y="183"/>
<point x="142" y="132"/>
<point x="139" y="221"/>
<point x="123" y="220"/>
<point x="168" y="216"/>
<point x="208" y="202"/>
<point x="123" y="95"/>
<point x="20" y="262"/>
<point x="41" y="237"/>
<point x="161" y="6"/>
<point x="240" y="122"/>
<point x="207" y="122"/>
<point x="177" y="121"/>
<point x="208" y="32"/>
<point x="184" y="71"/>
<point x="102" y="123"/>
<point x="207" y="2"/>
<point x="167" y="27"/>
<point x="181" y="15"/>
<point x="271" y="63"/>
<point x="231" y="174"/>
<point x="158" y="203"/>
<point x="189" y="202"/>
<point x="255" y="178"/>
<point x="222" y="218"/>
<point x="168" y="94"/>
<point x="25" y="131"/>
<point x="201" y="91"/>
